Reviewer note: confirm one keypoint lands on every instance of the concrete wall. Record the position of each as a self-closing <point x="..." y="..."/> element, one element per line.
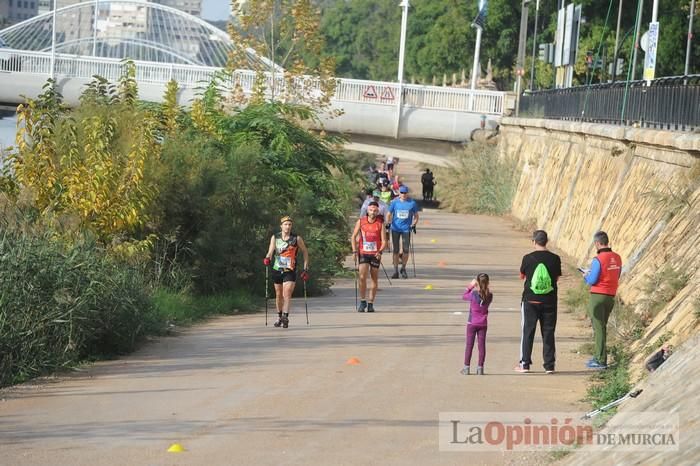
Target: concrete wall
<point x="635" y="184"/>
<point x="356" y="118"/>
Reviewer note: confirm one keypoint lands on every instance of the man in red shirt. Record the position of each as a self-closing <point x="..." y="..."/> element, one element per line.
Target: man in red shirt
<point x="368" y="241"/>
<point x="603" y="278"/>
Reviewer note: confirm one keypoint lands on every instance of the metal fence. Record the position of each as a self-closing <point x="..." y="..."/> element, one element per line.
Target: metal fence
<point x="667" y="103"/>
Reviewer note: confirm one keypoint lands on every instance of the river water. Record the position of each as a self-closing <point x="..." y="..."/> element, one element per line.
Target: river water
<point x="8" y="122"/>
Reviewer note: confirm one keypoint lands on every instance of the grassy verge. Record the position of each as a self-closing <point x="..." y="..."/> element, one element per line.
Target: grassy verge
<point x="184" y="309"/>
<point x="613" y="383"/>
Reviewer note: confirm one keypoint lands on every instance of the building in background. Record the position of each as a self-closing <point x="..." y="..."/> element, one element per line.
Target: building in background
<point x="193" y="7"/>
<point x="44" y="6"/>
<point x="15" y="11"/>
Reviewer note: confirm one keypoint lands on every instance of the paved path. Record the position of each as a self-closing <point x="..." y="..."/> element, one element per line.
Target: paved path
<point x="235" y="392"/>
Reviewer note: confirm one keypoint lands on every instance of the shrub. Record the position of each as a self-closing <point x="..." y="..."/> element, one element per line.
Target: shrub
<point x="61" y="303"/>
<point x="482" y="182"/>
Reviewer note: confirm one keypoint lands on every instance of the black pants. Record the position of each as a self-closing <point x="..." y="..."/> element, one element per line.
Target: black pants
<point x="546" y="315"/>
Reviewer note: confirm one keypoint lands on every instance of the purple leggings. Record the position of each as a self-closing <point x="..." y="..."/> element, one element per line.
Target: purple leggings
<point x="472" y="332"/>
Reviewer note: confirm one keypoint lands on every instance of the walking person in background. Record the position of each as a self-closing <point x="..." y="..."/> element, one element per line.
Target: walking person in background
<point x="603" y="278"/>
<point x="480" y="297"/>
<point x="428" y="181"/>
<point x="541" y="270"/>
<point x="403" y="217"/>
<point x="285" y="245"/>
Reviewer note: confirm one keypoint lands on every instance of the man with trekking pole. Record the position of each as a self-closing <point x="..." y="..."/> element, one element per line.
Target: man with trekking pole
<point x="285" y="245"/>
<point x="368" y="242"/>
<point x="403" y="217"/>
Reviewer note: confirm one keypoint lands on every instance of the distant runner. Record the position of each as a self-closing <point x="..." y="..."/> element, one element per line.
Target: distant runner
<point x="285" y="245"/>
<point x="368" y="241"/>
<point x="403" y="217"/>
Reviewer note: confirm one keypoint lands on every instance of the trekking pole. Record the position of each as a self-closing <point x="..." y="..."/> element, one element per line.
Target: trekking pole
<point x="633" y="394"/>
<point x="267" y="295"/>
<point x="387" y="275"/>
<point x="413" y="254"/>
<point x="306" y="304"/>
<point x="355" y="273"/>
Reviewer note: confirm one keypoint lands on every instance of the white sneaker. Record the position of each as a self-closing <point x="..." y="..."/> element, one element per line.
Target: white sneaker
<point x="465" y="370"/>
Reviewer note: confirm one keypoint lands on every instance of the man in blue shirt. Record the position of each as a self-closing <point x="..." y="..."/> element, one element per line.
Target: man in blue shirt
<point x="403" y="217"/>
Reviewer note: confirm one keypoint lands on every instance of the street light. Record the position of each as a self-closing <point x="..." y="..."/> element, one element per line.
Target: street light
<point x="402" y="50"/>
<point x="519" y="67"/>
<point x="53" y="40"/>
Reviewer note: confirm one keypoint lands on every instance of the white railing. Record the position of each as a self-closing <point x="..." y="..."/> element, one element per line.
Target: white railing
<point x="347" y="90"/>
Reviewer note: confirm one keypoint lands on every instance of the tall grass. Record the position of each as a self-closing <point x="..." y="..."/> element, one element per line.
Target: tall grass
<point x="482" y="182"/>
<point x="61" y="303"/>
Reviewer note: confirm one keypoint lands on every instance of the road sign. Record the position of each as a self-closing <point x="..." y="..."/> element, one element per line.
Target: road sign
<point x="387" y="94"/>
<point x="650" y="58"/>
<point x="369" y="93"/>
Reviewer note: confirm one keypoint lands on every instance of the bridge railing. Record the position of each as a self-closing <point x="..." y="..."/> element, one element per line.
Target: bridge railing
<point x="666" y="103"/>
<point x="347" y="90"/>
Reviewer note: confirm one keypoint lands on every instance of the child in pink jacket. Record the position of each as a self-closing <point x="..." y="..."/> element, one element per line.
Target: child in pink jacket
<point x="479" y="297"/>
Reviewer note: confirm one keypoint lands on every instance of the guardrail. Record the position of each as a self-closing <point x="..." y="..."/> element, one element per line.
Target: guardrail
<point x="347" y="90"/>
<point x="666" y="103"/>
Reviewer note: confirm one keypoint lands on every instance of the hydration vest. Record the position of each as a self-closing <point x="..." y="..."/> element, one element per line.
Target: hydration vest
<point x="285" y="252"/>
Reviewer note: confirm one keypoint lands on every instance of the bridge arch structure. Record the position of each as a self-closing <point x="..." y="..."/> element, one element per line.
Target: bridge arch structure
<point x="138" y="29"/>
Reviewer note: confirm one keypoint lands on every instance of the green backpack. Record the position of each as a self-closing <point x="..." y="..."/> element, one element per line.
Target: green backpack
<point x="541" y="282"/>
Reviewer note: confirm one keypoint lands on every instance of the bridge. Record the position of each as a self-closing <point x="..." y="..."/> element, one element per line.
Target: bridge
<point x="168" y="44"/>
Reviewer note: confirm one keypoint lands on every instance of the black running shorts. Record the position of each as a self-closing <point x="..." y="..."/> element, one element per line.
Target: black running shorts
<point x="279" y="276"/>
<point x="370" y="259"/>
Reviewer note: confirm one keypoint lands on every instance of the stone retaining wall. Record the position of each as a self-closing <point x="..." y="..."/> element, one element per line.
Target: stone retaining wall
<point x="641" y="186"/>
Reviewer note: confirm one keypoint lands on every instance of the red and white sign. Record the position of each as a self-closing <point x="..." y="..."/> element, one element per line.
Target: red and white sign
<point x="370" y="93"/>
<point x="387" y="94"/>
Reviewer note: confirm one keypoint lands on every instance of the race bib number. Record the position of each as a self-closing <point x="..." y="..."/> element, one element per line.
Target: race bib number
<point x="284" y="262"/>
<point x="402" y="214"/>
<point x="369" y="246"/>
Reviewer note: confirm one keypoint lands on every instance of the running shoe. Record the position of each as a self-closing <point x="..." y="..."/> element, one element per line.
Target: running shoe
<point x="465" y="370"/>
<point x="403" y="273"/>
<point x="362" y="307"/>
<point x="370" y="307"/>
<point x="285" y="322"/>
<point x="596" y="365"/>
<point x="396" y="275"/>
<point x="522" y="368"/>
<point x="479" y="370"/>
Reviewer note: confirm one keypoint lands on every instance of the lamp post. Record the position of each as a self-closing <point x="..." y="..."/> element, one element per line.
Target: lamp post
<point x="617" y="42"/>
<point x="690" y="38"/>
<point x="53" y="41"/>
<point x="94" y="29"/>
<point x="402" y="51"/>
<point x="521" y="55"/>
<point x="534" y="46"/>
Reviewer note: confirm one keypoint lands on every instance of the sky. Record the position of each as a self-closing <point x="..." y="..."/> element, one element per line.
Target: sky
<point x="216" y="9"/>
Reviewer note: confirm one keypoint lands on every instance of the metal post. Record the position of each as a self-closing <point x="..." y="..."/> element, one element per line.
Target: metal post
<point x="534" y="46"/>
<point x="521" y="55"/>
<point x="53" y="41"/>
<point x="690" y="38"/>
<point x="636" y="37"/>
<point x="94" y="29"/>
<point x="616" y="50"/>
<point x="477" y="51"/>
<point x="402" y="50"/>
